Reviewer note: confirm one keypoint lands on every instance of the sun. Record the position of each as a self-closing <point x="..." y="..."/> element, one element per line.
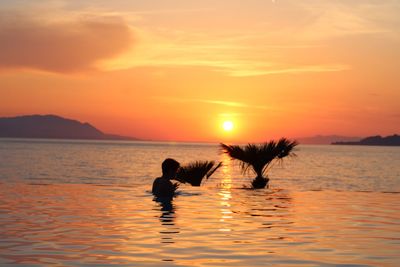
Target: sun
<point x="227" y="126"/>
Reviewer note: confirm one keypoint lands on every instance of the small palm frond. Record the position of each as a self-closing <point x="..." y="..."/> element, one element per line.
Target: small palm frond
<point x="176" y="186"/>
<point x="194" y="172"/>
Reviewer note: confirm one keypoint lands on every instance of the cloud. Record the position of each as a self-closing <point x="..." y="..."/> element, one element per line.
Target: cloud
<point x="212" y="102"/>
<point x="67" y="45"/>
<point x="227" y="103"/>
<point x="236" y="57"/>
<point x="226" y="64"/>
<point x="333" y="19"/>
<point x="290" y="70"/>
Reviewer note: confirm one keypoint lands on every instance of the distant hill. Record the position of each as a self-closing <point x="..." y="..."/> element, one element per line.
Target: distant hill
<point x="392" y="140"/>
<point x="52" y="126"/>
<point x="326" y="139"/>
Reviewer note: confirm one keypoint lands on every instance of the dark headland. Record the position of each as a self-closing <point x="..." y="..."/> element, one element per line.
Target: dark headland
<point x="52" y="126"/>
<point x="392" y="140"/>
<point x="326" y="139"/>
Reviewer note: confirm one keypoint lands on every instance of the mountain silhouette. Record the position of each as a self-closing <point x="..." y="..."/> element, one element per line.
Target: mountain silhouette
<point x="392" y="140"/>
<point x="326" y="139"/>
<point x="52" y="126"/>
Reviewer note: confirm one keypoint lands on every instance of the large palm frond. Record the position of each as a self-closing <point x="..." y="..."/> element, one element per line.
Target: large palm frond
<point x="194" y="172"/>
<point x="259" y="158"/>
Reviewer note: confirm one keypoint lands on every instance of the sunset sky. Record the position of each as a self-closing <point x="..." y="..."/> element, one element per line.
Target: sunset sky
<point x="177" y="70"/>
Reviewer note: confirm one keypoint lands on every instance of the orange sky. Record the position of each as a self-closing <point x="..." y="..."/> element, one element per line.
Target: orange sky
<point x="176" y="70"/>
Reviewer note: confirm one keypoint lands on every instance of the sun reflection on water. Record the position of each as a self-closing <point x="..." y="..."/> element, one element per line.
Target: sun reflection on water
<point x="225" y="194"/>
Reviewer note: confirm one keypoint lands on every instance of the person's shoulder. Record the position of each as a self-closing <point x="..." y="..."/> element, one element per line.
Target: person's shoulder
<point x="161" y="181"/>
<point x="158" y="179"/>
<point x="156" y="183"/>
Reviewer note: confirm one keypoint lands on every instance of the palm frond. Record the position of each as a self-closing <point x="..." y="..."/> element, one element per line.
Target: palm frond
<point x="194" y="172"/>
<point x="285" y="147"/>
<point x="213" y="170"/>
<point x="260" y="157"/>
<point x="237" y="153"/>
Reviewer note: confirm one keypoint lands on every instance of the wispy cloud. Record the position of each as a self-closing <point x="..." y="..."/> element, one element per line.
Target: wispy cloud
<point x="289" y="70"/>
<point x="170" y="11"/>
<point x="344" y="18"/>
<point x="221" y="61"/>
<point x="273" y="45"/>
<point x="212" y="102"/>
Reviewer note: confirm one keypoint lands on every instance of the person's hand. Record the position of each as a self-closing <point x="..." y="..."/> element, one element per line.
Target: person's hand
<point x="176" y="185"/>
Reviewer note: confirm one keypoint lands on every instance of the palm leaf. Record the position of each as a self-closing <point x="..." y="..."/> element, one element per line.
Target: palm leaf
<point x="259" y="158"/>
<point x="194" y="172"/>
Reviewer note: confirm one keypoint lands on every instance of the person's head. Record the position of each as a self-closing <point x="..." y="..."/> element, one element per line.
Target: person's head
<point x="169" y="168"/>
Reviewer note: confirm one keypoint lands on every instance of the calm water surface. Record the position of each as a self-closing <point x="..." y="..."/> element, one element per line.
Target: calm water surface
<point x="80" y="203"/>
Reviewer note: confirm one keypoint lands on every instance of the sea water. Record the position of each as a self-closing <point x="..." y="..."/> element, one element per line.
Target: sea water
<point x="88" y="203"/>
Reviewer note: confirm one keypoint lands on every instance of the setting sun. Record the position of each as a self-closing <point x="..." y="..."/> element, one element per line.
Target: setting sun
<point x="227" y="126"/>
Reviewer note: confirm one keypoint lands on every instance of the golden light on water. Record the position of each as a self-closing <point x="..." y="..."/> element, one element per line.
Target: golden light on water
<point x="225" y="195"/>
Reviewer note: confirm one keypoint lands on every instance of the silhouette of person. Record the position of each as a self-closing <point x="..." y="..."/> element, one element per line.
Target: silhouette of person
<point x="163" y="188"/>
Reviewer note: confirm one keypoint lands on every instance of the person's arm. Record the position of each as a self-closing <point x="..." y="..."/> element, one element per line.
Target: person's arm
<point x="171" y="188"/>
